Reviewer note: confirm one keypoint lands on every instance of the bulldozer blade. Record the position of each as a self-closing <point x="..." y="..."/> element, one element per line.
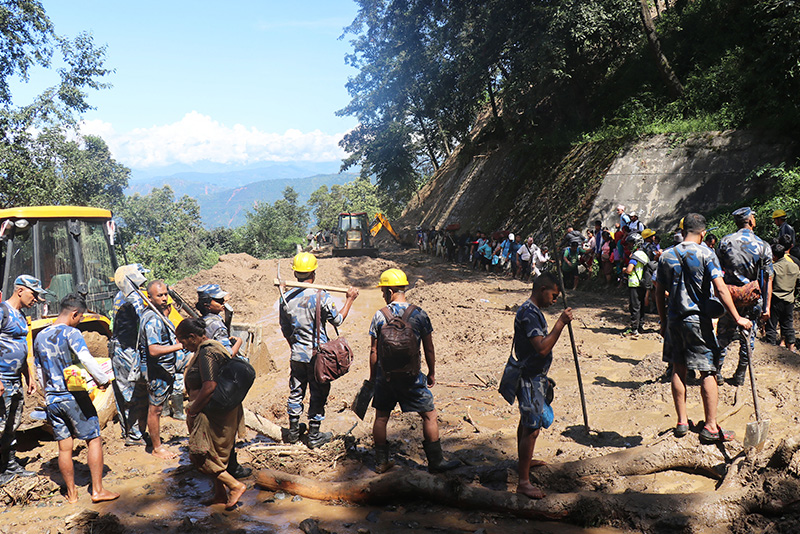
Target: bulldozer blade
<point x="756" y="433"/>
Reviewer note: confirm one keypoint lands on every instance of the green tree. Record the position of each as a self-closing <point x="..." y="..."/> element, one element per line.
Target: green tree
<point x="274" y="230"/>
<point x="164" y="234"/>
<point x="359" y="195"/>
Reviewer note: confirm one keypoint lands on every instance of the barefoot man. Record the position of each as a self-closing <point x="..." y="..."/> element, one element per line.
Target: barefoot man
<point x="160" y="348"/>
<point x="71" y="413"/>
<point x="525" y="375"/>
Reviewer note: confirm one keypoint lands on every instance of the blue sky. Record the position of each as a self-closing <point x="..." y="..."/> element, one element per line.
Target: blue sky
<point x="237" y="82"/>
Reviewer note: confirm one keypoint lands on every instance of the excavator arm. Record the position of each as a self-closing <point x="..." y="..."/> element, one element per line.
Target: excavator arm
<point x="381" y="222"/>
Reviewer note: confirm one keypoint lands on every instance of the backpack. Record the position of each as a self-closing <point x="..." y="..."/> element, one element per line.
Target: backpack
<point x="398" y="346"/>
<point x="235" y="379"/>
<point x="332" y="359"/>
<point x="647" y="276"/>
<point x="126" y="326"/>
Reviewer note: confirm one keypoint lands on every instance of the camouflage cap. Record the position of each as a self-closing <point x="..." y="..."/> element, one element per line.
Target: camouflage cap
<point x="742" y="214"/>
<point x="210" y="291"/>
<point x="34" y="284"/>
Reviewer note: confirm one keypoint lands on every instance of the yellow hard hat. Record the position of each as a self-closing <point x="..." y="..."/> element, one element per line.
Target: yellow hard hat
<point x="681" y="224"/>
<point x="393" y="278"/>
<point x="305" y="262"/>
<point x="778" y="214"/>
<point x="647" y="232"/>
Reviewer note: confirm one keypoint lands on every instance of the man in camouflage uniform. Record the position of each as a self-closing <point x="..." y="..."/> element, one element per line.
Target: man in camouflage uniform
<point x="687" y="272"/>
<point x="745" y="258"/>
<point x="130" y="387"/>
<point x="298" y="324"/>
<point x="13" y="362"/>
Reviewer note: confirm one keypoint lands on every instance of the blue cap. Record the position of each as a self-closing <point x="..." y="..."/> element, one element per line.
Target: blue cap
<point x="34" y="284"/>
<point x="210" y="291"/>
<point x="742" y="214"/>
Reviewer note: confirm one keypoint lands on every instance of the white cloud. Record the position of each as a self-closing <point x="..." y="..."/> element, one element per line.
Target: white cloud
<point x="197" y="137"/>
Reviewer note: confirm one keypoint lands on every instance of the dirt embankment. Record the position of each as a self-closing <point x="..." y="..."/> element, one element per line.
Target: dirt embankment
<point x="629" y="409"/>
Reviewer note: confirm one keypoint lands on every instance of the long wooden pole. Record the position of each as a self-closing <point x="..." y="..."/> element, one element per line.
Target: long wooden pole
<point x="557" y="253"/>
<point x="306" y="285"/>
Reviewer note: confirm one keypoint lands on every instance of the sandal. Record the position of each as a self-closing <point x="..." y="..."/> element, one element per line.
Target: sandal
<point x="681" y="430"/>
<point x="721" y="436"/>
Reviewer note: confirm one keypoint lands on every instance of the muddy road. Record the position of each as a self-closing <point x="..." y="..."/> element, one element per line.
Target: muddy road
<point x="472" y="315"/>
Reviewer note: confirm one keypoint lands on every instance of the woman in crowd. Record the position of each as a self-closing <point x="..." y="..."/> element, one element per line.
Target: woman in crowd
<point x="210" y="303"/>
<point x="212" y="435"/>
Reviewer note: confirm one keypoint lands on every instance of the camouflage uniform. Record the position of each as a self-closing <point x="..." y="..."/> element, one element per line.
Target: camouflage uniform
<point x="130" y="387"/>
<point x="691" y="335"/>
<point x="744" y="257"/>
<point x="297" y="319"/>
<point x="13" y="351"/>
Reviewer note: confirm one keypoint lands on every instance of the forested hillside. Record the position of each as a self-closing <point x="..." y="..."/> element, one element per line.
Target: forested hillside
<point x="549" y="75"/>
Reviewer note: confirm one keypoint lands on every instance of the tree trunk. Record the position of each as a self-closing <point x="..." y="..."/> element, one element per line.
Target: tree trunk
<point x="428" y="145"/>
<point x="491" y="99"/>
<point x="445" y="142"/>
<point x="674" y="85"/>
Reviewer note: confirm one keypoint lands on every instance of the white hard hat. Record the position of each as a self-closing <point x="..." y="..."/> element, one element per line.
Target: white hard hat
<point x="510" y="236"/>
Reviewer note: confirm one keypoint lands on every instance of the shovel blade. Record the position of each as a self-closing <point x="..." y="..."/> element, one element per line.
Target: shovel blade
<point x="363" y="397"/>
<point x="756" y="433"/>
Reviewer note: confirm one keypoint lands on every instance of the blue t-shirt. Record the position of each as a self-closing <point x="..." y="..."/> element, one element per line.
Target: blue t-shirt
<point x="685" y="288"/>
<point x="13" y="344"/>
<point x="528" y="323"/>
<point x="419" y="320"/>
<point x="53" y="352"/>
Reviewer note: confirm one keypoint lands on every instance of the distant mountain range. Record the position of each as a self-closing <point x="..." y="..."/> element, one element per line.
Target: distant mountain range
<point x="226" y="196"/>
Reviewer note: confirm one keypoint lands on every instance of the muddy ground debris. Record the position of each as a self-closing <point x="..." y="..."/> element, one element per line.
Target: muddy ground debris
<point x="628" y="474"/>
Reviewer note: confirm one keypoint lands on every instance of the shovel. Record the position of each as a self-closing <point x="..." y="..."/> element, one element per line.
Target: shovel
<point x="756" y="433"/>
<point x="361" y="401"/>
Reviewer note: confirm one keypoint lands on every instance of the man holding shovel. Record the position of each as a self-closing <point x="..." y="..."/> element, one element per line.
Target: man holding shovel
<point x="687" y="271"/>
<point x="298" y="324"/>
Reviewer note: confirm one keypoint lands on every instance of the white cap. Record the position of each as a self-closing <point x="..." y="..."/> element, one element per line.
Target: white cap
<point x="510" y="236"/>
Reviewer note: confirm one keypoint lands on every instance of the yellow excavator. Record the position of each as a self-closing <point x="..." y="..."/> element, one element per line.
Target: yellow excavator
<point x="380" y="221"/>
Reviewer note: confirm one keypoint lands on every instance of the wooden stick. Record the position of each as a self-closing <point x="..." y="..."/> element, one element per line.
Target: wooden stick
<point x="557" y="254"/>
<point x="306" y="285"/>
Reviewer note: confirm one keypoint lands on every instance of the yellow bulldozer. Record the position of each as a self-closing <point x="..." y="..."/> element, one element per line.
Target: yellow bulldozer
<point x="354" y="234"/>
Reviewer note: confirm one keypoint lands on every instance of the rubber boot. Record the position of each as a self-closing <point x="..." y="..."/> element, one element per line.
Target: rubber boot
<point x="315" y="437"/>
<point x="293" y="434"/>
<point x="436" y="463"/>
<point x="176" y="406"/>
<point x="235" y="468"/>
<point x="5" y="478"/>
<point x="738" y="377"/>
<point x="382" y="461"/>
<point x="13" y="467"/>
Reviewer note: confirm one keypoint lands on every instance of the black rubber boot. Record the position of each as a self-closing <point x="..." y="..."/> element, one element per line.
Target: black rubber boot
<point x="176" y="406"/>
<point x="236" y="469"/>
<point x="382" y="461"/>
<point x="315" y="437"/>
<point x="13" y="467"/>
<point x="738" y="377"/>
<point x="436" y="463"/>
<point x="293" y="434"/>
<point x="5" y="478"/>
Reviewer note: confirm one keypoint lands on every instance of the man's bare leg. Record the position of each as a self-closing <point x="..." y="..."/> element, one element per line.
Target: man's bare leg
<point x="710" y="395"/>
<point x="67" y="469"/>
<point x="99" y="494"/>
<point x="526" y="441"/>
<point x="379" y="427"/>
<point x="679" y="392"/>
<point x="430" y="425"/>
<point x="154" y="427"/>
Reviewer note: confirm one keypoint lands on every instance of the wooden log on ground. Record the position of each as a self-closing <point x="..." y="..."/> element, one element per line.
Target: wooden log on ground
<point x="263" y="425"/>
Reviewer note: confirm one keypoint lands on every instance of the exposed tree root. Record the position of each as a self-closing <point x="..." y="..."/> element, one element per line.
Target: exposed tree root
<point x="758" y="482"/>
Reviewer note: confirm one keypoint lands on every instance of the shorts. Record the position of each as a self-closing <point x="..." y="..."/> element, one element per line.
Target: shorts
<point x="413" y="395"/>
<point x="693" y="344"/>
<point x="74" y="417"/>
<point x="534" y="412"/>
<point x="158" y="391"/>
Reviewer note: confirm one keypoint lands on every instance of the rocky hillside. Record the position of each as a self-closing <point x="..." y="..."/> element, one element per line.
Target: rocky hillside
<point x="494" y="182"/>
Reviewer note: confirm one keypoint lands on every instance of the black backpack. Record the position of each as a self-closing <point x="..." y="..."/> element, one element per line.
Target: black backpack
<point x="647" y="275"/>
<point x="126" y="326"/>
<point x="398" y="346"/>
<point x="235" y="379"/>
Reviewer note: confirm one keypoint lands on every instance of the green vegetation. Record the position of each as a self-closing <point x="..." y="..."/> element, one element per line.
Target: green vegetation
<point x="548" y="72"/>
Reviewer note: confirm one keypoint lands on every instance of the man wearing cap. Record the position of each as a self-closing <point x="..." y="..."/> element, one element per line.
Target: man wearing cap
<point x="745" y="258"/>
<point x="635" y="225"/>
<point x="624" y="218"/>
<point x="409" y="389"/>
<point x="688" y="271"/>
<point x="784" y="228"/>
<point x="210" y="303"/>
<point x="637" y="287"/>
<point x="298" y="324"/>
<point x="13" y="362"/>
<point x="163" y="356"/>
<point x="130" y="387"/>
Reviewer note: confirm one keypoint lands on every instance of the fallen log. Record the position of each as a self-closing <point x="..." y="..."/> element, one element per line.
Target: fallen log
<point x="263" y="425"/>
